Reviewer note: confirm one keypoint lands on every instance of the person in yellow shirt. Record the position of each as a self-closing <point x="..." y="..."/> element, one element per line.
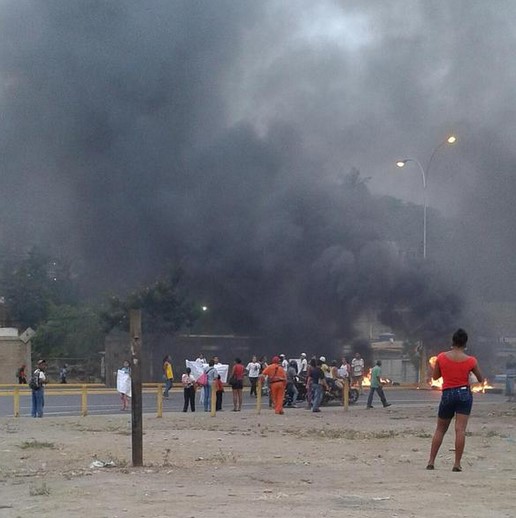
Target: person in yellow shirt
<point x="168" y="374"/>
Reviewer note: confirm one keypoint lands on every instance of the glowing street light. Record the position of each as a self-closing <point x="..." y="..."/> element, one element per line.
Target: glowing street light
<point x="452" y="139"/>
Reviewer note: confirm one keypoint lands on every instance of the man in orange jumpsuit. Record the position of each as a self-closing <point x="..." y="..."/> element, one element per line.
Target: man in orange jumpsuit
<point x="277" y="383"/>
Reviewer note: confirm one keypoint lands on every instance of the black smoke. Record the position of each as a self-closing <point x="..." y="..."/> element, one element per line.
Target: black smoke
<point x="221" y="135"/>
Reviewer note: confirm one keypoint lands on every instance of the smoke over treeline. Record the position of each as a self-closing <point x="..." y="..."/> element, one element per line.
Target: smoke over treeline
<point x="222" y="135"/>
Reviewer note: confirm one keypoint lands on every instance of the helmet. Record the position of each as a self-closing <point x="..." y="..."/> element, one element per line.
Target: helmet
<point x="282" y="356"/>
<point x="322" y="358"/>
<point x="303" y="355"/>
<point x="275" y="359"/>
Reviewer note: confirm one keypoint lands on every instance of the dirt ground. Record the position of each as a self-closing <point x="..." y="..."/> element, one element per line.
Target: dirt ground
<point x="367" y="463"/>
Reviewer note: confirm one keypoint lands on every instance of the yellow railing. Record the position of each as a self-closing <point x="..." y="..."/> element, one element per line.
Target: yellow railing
<point x="58" y="389"/>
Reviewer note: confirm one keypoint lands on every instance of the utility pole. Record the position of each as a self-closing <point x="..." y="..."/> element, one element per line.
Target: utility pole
<point x="135" y="329"/>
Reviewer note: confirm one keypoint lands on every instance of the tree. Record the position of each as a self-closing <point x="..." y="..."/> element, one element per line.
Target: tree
<point x="31" y="286"/>
<point x="70" y="331"/>
<point x="164" y="305"/>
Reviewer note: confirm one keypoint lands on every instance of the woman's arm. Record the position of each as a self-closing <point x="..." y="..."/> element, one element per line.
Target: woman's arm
<point x="476" y="371"/>
<point x="436" y="374"/>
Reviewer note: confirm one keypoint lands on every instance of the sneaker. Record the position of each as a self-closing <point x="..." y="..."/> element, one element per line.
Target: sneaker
<point x="388" y="404"/>
<point x="369" y="406"/>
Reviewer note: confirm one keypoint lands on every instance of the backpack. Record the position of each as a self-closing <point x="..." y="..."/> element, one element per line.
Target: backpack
<point x="202" y="380"/>
<point x="34" y="382"/>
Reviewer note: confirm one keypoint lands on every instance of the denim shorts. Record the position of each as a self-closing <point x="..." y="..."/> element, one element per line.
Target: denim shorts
<point x="457" y="400"/>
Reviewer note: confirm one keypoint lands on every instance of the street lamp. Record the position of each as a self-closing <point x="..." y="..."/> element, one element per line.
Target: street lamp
<point x="452" y="139"/>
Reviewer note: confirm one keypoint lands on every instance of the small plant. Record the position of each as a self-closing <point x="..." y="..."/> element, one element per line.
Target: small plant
<point x="37" y="445"/>
<point x="41" y="490"/>
<point x="223" y="457"/>
<point x="166" y="455"/>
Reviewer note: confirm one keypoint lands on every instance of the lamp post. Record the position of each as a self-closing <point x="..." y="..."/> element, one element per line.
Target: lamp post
<point x="424" y="175"/>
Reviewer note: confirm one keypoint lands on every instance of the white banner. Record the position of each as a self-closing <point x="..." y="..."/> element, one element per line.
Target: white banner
<point x="123" y="382"/>
<point x="198" y="368"/>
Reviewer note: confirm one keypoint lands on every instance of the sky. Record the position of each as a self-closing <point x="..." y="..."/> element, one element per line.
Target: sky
<point x="215" y="133"/>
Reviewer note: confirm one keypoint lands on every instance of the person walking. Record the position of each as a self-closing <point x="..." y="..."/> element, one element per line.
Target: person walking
<point x="63" y="374"/>
<point x="236" y="380"/>
<point x="20" y="374"/>
<point x="377" y="386"/>
<point x="454" y="367"/>
<point x="188" y="382"/>
<point x="37" y="384"/>
<point x="168" y="375"/>
<point x="277" y="379"/>
<point x="123" y="384"/>
<point x="510" y="375"/>
<point x="253" y="371"/>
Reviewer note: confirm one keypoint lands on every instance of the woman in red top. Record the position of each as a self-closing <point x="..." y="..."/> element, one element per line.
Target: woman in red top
<point x="454" y="367"/>
<point x="236" y="379"/>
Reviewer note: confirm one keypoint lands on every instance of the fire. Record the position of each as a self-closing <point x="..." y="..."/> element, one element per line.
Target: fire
<point x="481" y="387"/>
<point x="475" y="387"/>
<point x="366" y="381"/>
<point x="438" y="383"/>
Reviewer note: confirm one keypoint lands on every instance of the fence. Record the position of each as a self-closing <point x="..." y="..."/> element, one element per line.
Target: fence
<point x="16" y="391"/>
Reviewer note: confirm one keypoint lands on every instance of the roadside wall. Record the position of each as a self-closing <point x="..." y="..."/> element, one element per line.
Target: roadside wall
<point x="13" y="353"/>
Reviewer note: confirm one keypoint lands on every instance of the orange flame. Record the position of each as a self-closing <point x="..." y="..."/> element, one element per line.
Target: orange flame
<point x="366" y="381"/>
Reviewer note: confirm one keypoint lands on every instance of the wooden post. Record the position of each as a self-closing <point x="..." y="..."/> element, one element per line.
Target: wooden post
<point x="16" y="401"/>
<point x="159" y="396"/>
<point x="84" y="400"/>
<point x="135" y="329"/>
<point x="213" y="393"/>
<point x="259" y="395"/>
<point x="345" y="392"/>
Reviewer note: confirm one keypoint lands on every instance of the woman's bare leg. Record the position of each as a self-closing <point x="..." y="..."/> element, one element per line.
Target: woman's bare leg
<point x="461" y="422"/>
<point x="440" y="431"/>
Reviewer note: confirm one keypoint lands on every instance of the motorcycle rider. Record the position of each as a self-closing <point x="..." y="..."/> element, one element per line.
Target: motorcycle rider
<point x="283" y="362"/>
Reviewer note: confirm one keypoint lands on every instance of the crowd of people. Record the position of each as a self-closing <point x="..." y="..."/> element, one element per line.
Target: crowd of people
<point x="280" y="378"/>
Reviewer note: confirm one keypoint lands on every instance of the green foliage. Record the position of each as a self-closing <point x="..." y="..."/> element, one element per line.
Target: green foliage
<point x="164" y="306"/>
<point x="33" y="285"/>
<point x="70" y="331"/>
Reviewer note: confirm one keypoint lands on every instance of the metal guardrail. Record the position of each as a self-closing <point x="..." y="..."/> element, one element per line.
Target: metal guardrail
<point x="61" y="389"/>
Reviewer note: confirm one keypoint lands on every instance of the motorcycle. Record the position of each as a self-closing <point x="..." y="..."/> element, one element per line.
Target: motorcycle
<point x="289" y="393"/>
<point x="335" y="393"/>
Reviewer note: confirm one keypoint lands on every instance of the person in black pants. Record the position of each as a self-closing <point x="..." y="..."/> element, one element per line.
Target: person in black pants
<point x="188" y="382"/>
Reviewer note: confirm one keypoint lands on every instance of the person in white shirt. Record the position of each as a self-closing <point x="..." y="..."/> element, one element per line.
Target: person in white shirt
<point x="188" y="382"/>
<point x="303" y="366"/>
<point x="283" y="362"/>
<point x="357" y="371"/>
<point x="253" y="372"/>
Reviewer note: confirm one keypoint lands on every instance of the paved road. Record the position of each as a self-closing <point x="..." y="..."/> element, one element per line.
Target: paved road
<point x="63" y="403"/>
